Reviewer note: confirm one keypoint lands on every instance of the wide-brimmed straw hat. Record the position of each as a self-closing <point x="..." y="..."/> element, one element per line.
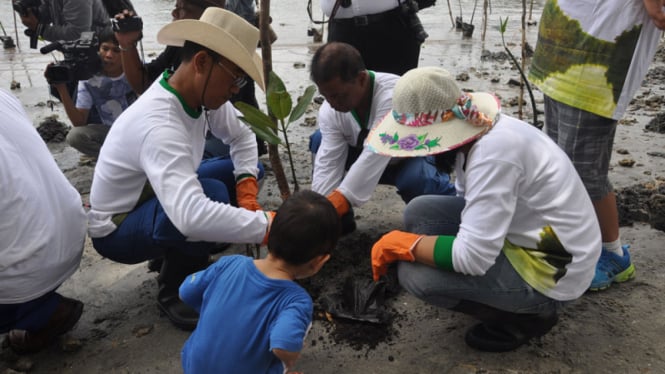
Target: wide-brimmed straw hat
<point x="431" y="115"/>
<point x="223" y="32"/>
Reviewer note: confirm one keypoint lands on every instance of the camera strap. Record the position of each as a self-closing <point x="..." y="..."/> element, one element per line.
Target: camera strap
<point x="338" y="3"/>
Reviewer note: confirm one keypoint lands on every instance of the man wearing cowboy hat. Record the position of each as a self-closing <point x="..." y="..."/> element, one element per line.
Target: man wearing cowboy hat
<point x="521" y="238"/>
<point x="151" y="196"/>
<point x="356" y="99"/>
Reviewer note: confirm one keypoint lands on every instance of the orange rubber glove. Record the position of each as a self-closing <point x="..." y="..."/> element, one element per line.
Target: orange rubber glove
<point x="246" y="191"/>
<point x="270" y="215"/>
<point x="394" y="246"/>
<point x="340" y="202"/>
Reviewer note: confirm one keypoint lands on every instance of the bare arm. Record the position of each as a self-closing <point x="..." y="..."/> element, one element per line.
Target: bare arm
<point x="655" y="10"/>
<point x="131" y="62"/>
<point x="78" y="116"/>
<point x="288" y="358"/>
<point x="424" y="250"/>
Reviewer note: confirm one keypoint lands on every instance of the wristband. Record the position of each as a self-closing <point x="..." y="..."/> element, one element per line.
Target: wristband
<point x="443" y="252"/>
<point x="122" y="49"/>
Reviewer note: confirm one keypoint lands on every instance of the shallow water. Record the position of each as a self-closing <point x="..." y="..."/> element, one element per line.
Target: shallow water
<point x="445" y="46"/>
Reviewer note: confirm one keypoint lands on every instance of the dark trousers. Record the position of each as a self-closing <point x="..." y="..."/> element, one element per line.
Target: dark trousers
<point x="387" y="45"/>
<point x="31" y="315"/>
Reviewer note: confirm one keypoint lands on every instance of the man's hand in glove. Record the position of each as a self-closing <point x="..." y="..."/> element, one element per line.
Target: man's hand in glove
<point x="394" y="246"/>
<point x="340" y="202"/>
<point x="246" y="191"/>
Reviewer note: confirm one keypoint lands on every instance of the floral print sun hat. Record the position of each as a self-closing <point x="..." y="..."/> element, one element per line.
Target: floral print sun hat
<point x="432" y="115"/>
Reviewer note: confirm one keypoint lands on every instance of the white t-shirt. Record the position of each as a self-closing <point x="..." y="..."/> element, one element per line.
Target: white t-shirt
<point x="358" y="7"/>
<point x="339" y="131"/>
<point x="42" y="222"/>
<point x="517" y="182"/>
<point x="594" y="54"/>
<point x="158" y="140"/>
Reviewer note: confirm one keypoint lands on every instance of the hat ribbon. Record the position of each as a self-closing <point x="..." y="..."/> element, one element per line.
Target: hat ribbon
<point x="464" y="109"/>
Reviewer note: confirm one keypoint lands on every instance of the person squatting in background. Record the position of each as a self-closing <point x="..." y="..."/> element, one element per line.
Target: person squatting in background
<point x="42" y="231"/>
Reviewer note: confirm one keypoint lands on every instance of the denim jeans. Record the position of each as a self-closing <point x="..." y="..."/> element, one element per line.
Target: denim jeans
<point x="412" y="176"/>
<point x="500" y="287"/>
<point x="147" y="231"/>
<point x="31" y="315"/>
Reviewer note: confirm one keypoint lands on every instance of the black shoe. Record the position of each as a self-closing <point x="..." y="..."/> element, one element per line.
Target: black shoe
<point x="155" y="265"/>
<point x="175" y="268"/>
<point x="180" y="314"/>
<point x="508" y="336"/>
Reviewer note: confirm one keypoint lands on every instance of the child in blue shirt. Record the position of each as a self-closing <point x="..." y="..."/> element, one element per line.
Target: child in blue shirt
<point x="253" y="316"/>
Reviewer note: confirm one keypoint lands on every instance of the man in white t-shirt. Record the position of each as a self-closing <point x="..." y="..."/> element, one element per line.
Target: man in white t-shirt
<point x="42" y="231"/>
<point x="151" y="194"/>
<point x="521" y="238"/>
<point x="356" y="99"/>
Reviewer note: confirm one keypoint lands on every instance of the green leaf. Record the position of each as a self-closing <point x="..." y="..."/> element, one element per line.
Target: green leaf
<point x="255" y="116"/>
<point x="279" y="104"/>
<point x="259" y="122"/>
<point x="504" y="25"/>
<point x="303" y="102"/>
<point x="275" y="83"/>
<point x="265" y="133"/>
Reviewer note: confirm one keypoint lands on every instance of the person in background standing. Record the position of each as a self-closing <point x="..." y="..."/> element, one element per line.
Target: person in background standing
<point x="387" y="33"/>
<point x="590" y="58"/>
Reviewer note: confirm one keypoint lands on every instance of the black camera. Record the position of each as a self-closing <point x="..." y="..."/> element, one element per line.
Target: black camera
<point x="409" y="8"/>
<point x="39" y="9"/>
<point x="127" y="24"/>
<point x="81" y="59"/>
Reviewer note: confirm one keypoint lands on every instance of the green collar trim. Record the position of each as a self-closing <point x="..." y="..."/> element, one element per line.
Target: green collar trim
<point x="194" y="113"/>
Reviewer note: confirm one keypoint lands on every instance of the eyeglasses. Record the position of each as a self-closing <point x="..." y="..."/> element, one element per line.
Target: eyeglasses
<point x="238" y="81"/>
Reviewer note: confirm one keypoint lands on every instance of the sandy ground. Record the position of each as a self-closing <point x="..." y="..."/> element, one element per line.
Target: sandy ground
<point x="618" y="330"/>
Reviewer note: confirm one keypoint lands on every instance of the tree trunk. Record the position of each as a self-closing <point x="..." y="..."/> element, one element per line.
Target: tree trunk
<point x="266" y="54"/>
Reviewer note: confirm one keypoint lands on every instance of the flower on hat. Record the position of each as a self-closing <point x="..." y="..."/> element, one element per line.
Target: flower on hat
<point x="411" y="142"/>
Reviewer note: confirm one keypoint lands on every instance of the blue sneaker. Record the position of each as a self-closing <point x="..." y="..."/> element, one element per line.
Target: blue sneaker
<point x="612" y="268"/>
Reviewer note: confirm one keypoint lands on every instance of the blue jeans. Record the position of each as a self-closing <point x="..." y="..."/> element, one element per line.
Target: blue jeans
<point x="31" y="315"/>
<point x="413" y="176"/>
<point x="500" y="287"/>
<point x="147" y="230"/>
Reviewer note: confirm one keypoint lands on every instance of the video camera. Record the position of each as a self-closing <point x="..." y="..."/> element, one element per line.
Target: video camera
<point x="39" y="9"/>
<point x="127" y="24"/>
<point x="81" y="59"/>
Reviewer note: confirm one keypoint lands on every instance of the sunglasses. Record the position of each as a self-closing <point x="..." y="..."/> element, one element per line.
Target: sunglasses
<point x="238" y="81"/>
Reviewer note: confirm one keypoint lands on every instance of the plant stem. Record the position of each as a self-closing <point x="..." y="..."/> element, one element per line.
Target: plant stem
<point x="528" y="86"/>
<point x="288" y="152"/>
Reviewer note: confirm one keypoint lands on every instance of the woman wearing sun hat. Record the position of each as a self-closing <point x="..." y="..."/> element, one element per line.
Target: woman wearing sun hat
<point x="151" y="196"/>
<point x="521" y="238"/>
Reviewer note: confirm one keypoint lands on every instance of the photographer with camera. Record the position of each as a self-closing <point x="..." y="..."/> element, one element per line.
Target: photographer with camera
<point x="108" y="92"/>
<point x="55" y="20"/>
<point x="377" y="29"/>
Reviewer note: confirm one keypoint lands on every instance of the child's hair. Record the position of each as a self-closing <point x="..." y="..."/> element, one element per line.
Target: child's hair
<point x="105" y="36"/>
<point x="305" y="226"/>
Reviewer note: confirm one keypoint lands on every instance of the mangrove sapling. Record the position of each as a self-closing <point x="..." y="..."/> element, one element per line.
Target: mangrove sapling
<point x="280" y="106"/>
<point x="502" y="29"/>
